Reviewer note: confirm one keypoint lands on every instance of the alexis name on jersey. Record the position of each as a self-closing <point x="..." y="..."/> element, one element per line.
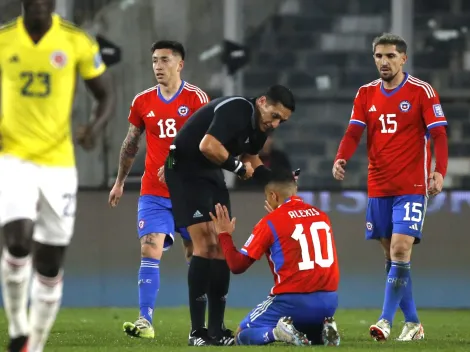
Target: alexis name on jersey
<point x="295" y="214"/>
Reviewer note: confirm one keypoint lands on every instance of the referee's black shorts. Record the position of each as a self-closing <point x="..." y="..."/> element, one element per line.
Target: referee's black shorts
<point x="194" y="194"/>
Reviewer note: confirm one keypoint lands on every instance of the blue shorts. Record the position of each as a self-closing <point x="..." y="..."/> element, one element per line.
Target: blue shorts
<point x="306" y="309"/>
<point x="154" y="215"/>
<point x="396" y="214"/>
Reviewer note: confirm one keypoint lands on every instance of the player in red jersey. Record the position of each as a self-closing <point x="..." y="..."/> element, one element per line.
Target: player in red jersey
<point x="400" y="113"/>
<point x="160" y="111"/>
<point x="297" y="240"/>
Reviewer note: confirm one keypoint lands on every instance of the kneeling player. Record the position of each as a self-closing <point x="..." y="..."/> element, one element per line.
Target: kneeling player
<point x="298" y="241"/>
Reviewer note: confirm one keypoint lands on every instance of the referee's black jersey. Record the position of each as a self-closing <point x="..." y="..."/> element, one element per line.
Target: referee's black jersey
<point x="231" y="120"/>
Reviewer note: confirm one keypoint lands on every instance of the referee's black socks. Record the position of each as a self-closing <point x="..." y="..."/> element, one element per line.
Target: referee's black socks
<point x="198" y="283"/>
<point x="217" y="295"/>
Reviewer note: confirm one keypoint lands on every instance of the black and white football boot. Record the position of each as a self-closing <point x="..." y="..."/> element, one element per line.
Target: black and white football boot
<point x="199" y="337"/>
<point x="227" y="338"/>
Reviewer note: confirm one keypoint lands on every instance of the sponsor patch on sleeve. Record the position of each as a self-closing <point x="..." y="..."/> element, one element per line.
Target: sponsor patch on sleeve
<point x="438" y="112"/>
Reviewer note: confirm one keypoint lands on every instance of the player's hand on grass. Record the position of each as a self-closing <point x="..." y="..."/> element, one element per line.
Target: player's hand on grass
<point x="161" y="174"/>
<point x="249" y="171"/>
<point x="85" y="137"/>
<point x="338" y="169"/>
<point x="436" y="182"/>
<point x="115" y="195"/>
<point x="222" y="220"/>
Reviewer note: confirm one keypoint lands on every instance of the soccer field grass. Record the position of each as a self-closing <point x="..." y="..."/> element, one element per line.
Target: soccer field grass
<point x="101" y="330"/>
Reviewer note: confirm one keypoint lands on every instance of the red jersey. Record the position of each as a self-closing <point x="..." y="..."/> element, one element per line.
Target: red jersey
<point x="398" y="123"/>
<point x="298" y="242"/>
<point x="162" y="119"/>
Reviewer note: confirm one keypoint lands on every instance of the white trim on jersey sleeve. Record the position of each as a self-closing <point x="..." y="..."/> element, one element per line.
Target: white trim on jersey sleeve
<point x="436" y="124"/>
<point x="430" y="93"/>
<point x="357" y="122"/>
<point x="142" y="93"/>
<point x="203" y="98"/>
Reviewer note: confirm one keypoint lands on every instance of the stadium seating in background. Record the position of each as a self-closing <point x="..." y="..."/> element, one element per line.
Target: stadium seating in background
<point x="323" y="52"/>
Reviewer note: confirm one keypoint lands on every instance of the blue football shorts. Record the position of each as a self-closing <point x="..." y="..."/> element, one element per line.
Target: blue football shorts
<point x="396" y="214"/>
<point x="306" y="309"/>
<point x="154" y="215"/>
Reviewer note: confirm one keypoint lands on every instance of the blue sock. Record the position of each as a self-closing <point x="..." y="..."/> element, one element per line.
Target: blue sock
<point x="395" y="287"/>
<point x="407" y="303"/>
<point x="149" y="284"/>
<point x="256" y="336"/>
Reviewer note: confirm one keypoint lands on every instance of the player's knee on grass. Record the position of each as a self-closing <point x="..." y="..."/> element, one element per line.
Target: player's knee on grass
<point x="47" y="259"/>
<point x="18" y="236"/>
<point x="400" y="247"/>
<point x="151" y="245"/>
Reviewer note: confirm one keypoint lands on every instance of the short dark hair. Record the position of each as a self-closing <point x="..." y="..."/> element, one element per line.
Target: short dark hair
<point x="282" y="176"/>
<point x="173" y="45"/>
<point x="281" y="94"/>
<point x="390" y="39"/>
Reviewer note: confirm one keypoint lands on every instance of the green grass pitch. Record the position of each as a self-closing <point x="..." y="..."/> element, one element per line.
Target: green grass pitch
<point x="101" y="330"/>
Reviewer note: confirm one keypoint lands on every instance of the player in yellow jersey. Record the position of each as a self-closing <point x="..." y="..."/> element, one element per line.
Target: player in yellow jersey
<point x="40" y="55"/>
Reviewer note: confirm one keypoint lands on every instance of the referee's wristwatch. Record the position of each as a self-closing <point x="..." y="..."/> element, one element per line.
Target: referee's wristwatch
<point x="240" y="169"/>
<point x="241" y="172"/>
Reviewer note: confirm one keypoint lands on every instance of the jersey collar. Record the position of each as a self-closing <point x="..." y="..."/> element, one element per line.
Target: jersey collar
<point x="162" y="98"/>
<point x="293" y="199"/>
<point x="25" y="34"/>
<point x="389" y="94"/>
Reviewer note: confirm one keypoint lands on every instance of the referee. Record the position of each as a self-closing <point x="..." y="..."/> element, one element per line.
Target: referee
<point x="208" y="142"/>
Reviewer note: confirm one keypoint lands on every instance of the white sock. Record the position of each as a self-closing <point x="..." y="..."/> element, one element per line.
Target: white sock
<point x="46" y="297"/>
<point x="15" y="278"/>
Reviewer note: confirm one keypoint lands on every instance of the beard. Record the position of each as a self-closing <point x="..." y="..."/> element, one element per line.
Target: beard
<point x="388" y="77"/>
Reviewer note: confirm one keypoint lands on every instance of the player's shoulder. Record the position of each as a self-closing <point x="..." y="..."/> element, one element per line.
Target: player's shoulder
<point x="307" y="212"/>
<point x="8" y="29"/>
<point x="75" y="33"/>
<point x="194" y="92"/>
<point x="236" y="103"/>
<point x="312" y="210"/>
<point x="371" y="86"/>
<point x="144" y="95"/>
<point x="278" y="217"/>
<point x="417" y="85"/>
<point x="267" y="222"/>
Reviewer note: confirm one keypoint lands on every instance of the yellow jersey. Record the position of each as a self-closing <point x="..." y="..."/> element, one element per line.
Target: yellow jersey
<point x="38" y="86"/>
